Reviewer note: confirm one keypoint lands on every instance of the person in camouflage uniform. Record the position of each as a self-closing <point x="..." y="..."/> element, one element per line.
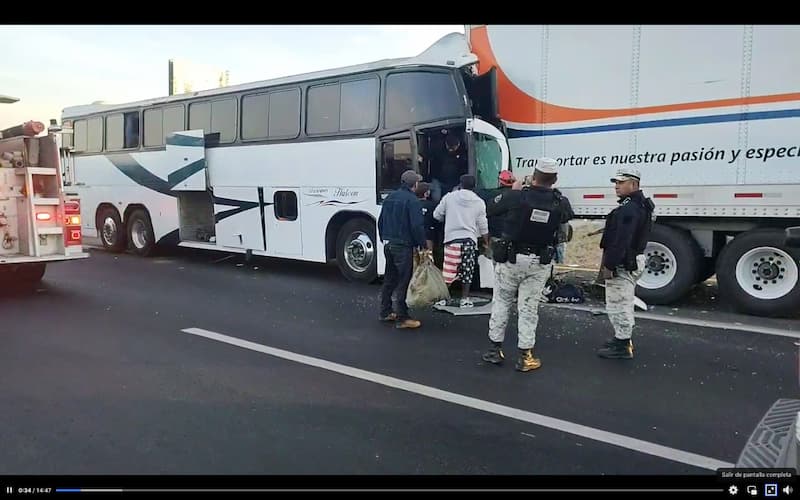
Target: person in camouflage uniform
<point x="526" y="278"/>
<point x="624" y="239"/>
<point x="533" y="217"/>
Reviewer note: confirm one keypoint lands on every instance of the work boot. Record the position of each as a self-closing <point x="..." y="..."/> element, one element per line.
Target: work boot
<point x="617" y="349"/>
<point x="495" y="354"/>
<point x="408" y="323"/>
<point x="613" y="340"/>
<point x="526" y="362"/>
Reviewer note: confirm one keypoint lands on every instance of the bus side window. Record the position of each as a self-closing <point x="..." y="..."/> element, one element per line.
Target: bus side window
<point x="285" y="205"/>
<point x="396" y="159"/>
<point x="131" y="139"/>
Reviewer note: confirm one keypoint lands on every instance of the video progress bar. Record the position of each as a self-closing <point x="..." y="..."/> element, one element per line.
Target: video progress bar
<point x="379" y="490"/>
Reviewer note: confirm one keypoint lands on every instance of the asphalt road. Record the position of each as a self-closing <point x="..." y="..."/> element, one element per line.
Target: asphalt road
<point x="99" y="377"/>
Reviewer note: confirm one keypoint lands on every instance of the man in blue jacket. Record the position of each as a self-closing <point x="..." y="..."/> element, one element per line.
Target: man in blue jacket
<point x="401" y="226"/>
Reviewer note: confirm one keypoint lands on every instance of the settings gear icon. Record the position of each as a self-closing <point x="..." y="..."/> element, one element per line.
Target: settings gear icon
<point x="733" y="490"/>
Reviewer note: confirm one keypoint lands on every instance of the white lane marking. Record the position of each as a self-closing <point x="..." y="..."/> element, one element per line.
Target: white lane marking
<point x="693" y="322"/>
<point x="478" y="404"/>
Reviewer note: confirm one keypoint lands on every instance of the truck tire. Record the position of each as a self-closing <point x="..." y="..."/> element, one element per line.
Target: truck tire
<point x="672" y="266"/>
<point x="17" y="276"/>
<point x="140" y="233"/>
<point x="31" y="274"/>
<point x="758" y="274"/>
<point x="357" y="251"/>
<point x="112" y="232"/>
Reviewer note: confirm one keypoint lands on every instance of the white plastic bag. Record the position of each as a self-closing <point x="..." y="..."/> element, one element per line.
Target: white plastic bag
<point x="486" y="269"/>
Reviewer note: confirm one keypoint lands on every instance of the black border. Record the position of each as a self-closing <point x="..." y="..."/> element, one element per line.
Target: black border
<point x="712" y="480"/>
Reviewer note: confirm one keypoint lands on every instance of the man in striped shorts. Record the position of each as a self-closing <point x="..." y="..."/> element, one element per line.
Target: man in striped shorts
<point x="464" y="215"/>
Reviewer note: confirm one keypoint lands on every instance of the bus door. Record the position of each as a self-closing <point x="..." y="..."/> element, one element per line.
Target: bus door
<point x="396" y="153"/>
<point x="489" y="155"/>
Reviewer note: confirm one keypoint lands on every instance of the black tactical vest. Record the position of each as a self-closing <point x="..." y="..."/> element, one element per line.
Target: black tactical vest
<point x="642" y="235"/>
<point x="537" y="219"/>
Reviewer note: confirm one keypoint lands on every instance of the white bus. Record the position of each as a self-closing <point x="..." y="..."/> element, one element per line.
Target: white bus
<point x="295" y="167"/>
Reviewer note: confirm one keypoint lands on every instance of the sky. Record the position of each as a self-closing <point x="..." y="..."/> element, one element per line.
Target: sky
<point x="65" y="66"/>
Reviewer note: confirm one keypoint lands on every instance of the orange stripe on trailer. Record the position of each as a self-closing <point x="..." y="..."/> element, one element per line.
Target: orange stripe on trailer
<point x="517" y="106"/>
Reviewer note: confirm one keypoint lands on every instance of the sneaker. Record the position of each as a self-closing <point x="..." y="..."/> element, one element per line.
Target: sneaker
<point x="466" y="302"/>
<point x="526" y="362"/>
<point x="494" y="355"/>
<point x="408" y="323"/>
<point x="388" y="318"/>
<point x="616" y="349"/>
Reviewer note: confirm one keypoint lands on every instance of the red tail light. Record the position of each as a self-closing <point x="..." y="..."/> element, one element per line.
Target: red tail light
<point x="73" y="236"/>
<point x="72" y="210"/>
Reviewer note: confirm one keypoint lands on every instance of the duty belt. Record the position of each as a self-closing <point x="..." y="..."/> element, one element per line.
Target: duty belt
<point x="527" y="250"/>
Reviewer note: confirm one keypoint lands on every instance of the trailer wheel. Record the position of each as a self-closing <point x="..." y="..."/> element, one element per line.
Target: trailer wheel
<point x="356" y="251"/>
<point x="112" y="232"/>
<point x="758" y="274"/>
<point x="140" y="233"/>
<point x="672" y="266"/>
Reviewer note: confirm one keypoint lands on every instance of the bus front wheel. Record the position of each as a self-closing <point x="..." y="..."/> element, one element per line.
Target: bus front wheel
<point x="356" y="251"/>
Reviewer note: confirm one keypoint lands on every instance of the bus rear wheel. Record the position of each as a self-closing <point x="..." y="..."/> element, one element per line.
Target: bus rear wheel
<point x="140" y="233"/>
<point x="356" y="251"/>
<point x="112" y="232"/>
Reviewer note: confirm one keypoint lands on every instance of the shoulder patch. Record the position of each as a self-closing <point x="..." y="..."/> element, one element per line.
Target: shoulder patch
<point x="498" y="198"/>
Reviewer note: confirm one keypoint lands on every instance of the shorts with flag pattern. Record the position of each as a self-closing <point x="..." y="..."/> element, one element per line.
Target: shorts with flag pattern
<point x="460" y="259"/>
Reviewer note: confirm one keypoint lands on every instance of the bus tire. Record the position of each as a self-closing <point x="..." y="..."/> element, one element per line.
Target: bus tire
<point x="672" y="267"/>
<point x="357" y="251"/>
<point x="140" y="233"/>
<point x="758" y="274"/>
<point x="111" y="229"/>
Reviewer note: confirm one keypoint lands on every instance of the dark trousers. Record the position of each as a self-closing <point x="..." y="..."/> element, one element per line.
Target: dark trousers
<point x="399" y="267"/>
